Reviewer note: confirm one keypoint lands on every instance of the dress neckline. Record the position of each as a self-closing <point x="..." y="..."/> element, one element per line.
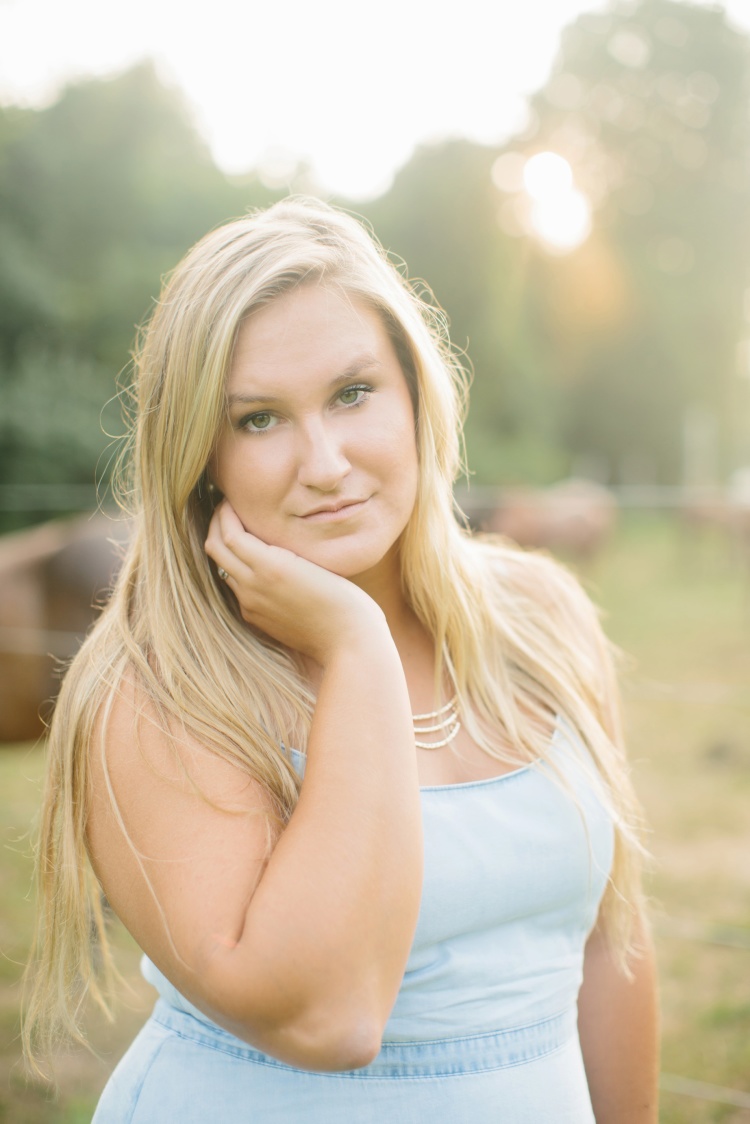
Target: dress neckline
<point x="522" y="770"/>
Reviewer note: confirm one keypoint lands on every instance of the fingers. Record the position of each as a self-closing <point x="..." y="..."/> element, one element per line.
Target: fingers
<point x="256" y="573"/>
<point x="292" y="600"/>
<point x="229" y="521"/>
<point x="240" y="556"/>
<point x="222" y="540"/>
<point x="228" y="563"/>
<point x="226" y="530"/>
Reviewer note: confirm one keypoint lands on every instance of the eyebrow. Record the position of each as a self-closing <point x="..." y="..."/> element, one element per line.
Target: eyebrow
<point x="355" y="368"/>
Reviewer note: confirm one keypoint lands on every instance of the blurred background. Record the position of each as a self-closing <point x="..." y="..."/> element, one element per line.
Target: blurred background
<point x="572" y="180"/>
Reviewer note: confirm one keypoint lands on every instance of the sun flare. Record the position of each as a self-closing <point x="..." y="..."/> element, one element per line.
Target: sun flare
<point x="560" y="214"/>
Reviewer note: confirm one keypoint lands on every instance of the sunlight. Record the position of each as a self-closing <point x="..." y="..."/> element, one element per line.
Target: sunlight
<point x="546" y="175"/>
<point x="560" y="215"/>
<point x="562" y="222"/>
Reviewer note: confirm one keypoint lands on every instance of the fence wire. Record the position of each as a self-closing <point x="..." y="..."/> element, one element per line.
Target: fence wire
<point x="28" y="641"/>
<point x="703" y="1091"/>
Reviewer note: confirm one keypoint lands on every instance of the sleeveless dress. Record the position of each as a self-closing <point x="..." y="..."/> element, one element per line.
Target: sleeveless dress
<point x="484" y="1029"/>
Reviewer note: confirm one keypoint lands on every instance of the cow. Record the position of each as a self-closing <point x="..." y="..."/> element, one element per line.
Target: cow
<point x="53" y="579"/>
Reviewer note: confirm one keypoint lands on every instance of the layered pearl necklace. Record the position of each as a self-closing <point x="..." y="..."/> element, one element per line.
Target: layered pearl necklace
<point x="438" y="722"/>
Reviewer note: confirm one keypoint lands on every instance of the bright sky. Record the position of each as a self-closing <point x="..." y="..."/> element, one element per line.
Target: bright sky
<point x="351" y="87"/>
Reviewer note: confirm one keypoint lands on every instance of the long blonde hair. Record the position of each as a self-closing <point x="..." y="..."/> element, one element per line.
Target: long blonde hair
<point x="514" y="631"/>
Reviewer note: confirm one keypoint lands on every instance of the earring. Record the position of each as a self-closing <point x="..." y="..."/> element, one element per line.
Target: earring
<point x="210" y="487"/>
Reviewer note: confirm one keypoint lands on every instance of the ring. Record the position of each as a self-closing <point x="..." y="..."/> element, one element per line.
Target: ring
<point x="222" y="573"/>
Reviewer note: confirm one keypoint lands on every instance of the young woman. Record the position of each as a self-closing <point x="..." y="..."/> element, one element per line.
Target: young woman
<point x="351" y="776"/>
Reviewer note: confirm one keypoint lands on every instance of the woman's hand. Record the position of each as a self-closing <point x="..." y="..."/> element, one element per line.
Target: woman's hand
<point x="298" y="603"/>
<point x="212" y="884"/>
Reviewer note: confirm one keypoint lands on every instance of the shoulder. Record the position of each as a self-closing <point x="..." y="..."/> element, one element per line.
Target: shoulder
<point x="168" y="819"/>
<point x="142" y="750"/>
<point x="153" y="785"/>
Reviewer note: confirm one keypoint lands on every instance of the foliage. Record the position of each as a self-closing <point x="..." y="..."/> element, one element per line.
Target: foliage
<point x="596" y="359"/>
<point x="100" y="194"/>
<point x="649" y="104"/>
<point x="440" y="216"/>
<point x="601" y="355"/>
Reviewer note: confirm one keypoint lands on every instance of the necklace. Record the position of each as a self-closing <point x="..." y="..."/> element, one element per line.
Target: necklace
<point x="444" y="721"/>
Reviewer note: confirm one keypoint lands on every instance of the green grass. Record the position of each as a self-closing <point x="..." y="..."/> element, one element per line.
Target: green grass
<point x="80" y="1074"/>
<point x="678" y="603"/>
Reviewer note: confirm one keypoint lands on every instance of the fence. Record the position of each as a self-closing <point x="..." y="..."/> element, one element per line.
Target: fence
<point x="34" y="498"/>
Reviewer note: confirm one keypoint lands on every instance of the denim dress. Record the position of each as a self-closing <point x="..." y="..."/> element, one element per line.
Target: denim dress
<point x="484" y="1029"/>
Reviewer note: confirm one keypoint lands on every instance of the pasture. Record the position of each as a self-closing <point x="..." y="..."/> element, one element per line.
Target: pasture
<point x="677" y="601"/>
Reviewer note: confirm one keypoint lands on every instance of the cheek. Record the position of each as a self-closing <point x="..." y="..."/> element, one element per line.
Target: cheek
<point x="401" y="465"/>
<point x="250" y="480"/>
<point x="393" y="457"/>
<point x="393" y="434"/>
<point x="258" y="507"/>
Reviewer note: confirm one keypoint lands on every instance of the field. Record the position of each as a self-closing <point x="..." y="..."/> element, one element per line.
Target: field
<point x="678" y="603"/>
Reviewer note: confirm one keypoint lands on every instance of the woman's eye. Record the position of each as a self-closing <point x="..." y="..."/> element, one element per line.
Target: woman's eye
<point x="353" y="395"/>
<point x="257" y="423"/>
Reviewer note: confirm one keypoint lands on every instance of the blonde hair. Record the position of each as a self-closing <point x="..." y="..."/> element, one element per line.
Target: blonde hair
<point x="515" y="632"/>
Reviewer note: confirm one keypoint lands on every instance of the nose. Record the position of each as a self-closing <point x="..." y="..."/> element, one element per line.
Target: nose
<point x="322" y="462"/>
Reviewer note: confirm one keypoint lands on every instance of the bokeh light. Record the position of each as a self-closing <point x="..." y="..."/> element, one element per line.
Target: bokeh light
<point x="562" y="222"/>
<point x="547" y="175"/>
<point x="560" y="214"/>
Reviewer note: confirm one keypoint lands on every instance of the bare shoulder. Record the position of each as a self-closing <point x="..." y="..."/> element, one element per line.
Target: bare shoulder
<point x="132" y="742"/>
<point x="177" y="836"/>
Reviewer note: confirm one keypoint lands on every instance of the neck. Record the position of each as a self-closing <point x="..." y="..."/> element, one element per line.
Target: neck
<point x="415" y="645"/>
<point x="383" y="584"/>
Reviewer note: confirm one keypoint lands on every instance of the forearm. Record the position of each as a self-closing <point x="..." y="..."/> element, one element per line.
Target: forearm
<point x="329" y="928"/>
<point x="619" y="1026"/>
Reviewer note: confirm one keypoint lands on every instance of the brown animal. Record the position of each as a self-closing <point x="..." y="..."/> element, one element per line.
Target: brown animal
<point x="574" y="517"/>
<point x="724" y="513"/>
<point x="51" y="579"/>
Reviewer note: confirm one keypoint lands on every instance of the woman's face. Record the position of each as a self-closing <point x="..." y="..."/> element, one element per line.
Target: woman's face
<point x="318" y="449"/>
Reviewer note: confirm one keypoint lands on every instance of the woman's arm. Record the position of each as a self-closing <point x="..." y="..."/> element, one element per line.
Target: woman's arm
<point x="303" y="954"/>
<point x="618" y="1024"/>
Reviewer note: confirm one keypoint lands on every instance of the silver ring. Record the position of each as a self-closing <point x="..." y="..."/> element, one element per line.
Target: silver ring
<point x="222" y="573"/>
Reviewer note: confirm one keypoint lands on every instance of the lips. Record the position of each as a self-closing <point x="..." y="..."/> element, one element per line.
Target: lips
<point x="333" y="511"/>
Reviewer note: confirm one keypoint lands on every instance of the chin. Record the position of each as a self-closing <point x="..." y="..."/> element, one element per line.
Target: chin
<point x="346" y="566"/>
<point x="350" y="561"/>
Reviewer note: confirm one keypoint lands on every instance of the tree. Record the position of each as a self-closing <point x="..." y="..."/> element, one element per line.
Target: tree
<point x="100" y="195"/>
<point x="440" y="216"/>
<point x="648" y="102"/>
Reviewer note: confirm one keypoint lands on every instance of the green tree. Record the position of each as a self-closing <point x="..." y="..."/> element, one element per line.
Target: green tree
<point x="648" y="102"/>
<point x="440" y="216"/>
<point x="601" y="353"/>
<point x="100" y="195"/>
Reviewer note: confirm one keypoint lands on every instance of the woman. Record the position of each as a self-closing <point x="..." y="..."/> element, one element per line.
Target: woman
<point x="350" y="776"/>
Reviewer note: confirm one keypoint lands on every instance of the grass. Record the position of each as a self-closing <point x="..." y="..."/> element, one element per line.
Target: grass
<point x="81" y="1075"/>
<point x="679" y="605"/>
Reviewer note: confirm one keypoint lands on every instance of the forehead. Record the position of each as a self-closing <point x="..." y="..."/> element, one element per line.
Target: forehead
<point x="313" y="331"/>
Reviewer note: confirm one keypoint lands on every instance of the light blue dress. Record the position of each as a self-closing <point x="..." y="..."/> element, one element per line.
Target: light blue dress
<point x="484" y="1029"/>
